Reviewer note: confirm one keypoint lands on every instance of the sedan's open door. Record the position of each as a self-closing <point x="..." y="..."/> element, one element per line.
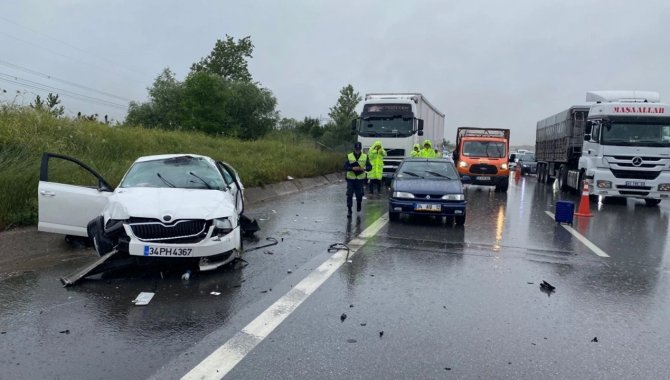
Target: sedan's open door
<point x="70" y="194"/>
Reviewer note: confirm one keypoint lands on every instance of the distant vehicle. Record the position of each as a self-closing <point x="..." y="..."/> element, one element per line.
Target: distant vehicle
<point x="168" y="207"/>
<point x="482" y="154"/>
<point x="619" y="144"/>
<point x="526" y="163"/>
<point x="398" y="120"/>
<point x="427" y="187"/>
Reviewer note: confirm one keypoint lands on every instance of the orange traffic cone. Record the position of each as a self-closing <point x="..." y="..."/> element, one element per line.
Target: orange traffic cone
<point x="517" y="174"/>
<point x="584" y="206"/>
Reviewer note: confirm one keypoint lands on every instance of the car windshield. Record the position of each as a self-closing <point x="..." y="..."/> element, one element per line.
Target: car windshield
<point x="484" y="149"/>
<point x="527" y="158"/>
<point x="427" y="169"/>
<point x="183" y="172"/>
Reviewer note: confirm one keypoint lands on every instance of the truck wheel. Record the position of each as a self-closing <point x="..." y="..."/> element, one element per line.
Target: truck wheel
<point x="101" y="243"/>
<point x="502" y="186"/>
<point x="652" y="202"/>
<point x="562" y="178"/>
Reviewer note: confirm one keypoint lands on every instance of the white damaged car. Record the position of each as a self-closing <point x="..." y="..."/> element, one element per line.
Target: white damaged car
<point x="167" y="207"/>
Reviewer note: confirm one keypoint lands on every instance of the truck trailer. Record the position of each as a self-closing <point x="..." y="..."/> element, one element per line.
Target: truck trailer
<point x="398" y="120"/>
<point x="619" y="143"/>
<point x="483" y="155"/>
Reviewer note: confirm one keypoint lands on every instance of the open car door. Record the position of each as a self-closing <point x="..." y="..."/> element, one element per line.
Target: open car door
<point x="233" y="181"/>
<point x="70" y="194"/>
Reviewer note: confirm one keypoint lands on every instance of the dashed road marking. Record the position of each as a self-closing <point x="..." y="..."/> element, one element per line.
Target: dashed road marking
<point x="226" y="357"/>
<point x="581" y="238"/>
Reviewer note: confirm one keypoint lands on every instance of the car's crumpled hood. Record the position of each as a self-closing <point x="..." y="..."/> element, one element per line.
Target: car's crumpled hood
<point x="146" y="202"/>
<point x="428" y="186"/>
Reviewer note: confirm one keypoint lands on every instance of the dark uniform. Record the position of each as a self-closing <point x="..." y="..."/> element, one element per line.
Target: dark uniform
<point x="356" y="166"/>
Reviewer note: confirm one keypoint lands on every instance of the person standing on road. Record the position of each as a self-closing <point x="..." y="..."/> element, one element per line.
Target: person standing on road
<point x="376" y="155"/>
<point x="356" y="165"/>
<point x="416" y="152"/>
<point x="427" y="151"/>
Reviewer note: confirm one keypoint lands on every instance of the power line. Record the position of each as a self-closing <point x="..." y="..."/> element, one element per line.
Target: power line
<point x="51" y="77"/>
<point x="107" y="60"/>
<point x="39" y="86"/>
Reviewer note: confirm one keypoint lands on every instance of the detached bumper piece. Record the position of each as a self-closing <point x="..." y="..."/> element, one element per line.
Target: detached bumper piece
<point x="93" y="268"/>
<point x="249" y="226"/>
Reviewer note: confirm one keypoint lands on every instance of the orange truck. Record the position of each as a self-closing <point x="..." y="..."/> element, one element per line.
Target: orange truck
<point x="483" y="155"/>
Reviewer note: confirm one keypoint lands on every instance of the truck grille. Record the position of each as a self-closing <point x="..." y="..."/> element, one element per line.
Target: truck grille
<point x="483" y="169"/>
<point x="395" y="152"/>
<point x="179" y="230"/>
<point x="635" y="174"/>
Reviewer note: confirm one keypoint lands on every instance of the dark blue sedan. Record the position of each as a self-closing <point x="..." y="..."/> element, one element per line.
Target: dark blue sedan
<point x="424" y="186"/>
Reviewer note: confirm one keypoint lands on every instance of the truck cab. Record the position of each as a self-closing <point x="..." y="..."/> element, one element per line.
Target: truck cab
<point x="483" y="155"/>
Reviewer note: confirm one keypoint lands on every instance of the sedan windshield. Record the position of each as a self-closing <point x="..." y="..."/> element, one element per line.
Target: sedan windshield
<point x="427" y="169"/>
<point x="184" y="172"/>
<point x="527" y="158"/>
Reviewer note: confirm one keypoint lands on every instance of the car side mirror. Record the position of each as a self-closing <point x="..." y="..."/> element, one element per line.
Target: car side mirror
<point x="466" y="179"/>
<point x="587" y="137"/>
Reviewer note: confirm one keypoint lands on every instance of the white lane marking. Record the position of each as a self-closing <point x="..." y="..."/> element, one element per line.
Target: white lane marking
<point x="581" y="238"/>
<point x="226" y="357"/>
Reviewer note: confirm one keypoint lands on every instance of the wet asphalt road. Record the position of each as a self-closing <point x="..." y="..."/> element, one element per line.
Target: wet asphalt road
<point x="452" y="302"/>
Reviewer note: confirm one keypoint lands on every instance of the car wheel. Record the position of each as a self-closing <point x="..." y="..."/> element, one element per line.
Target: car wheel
<point x="101" y="243"/>
<point x="394" y="216"/>
<point x="448" y="220"/>
<point x="459" y="219"/>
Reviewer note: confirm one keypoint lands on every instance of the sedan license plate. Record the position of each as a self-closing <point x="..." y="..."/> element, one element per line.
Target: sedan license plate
<point x="635" y="183"/>
<point x="167" y="251"/>
<point x="484" y="178"/>
<point x="428" y="207"/>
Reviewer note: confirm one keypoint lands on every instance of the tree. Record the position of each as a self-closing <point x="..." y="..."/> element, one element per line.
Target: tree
<point x="50" y="105"/>
<point x="38" y="103"/>
<point x="344" y="110"/>
<point x="228" y="59"/>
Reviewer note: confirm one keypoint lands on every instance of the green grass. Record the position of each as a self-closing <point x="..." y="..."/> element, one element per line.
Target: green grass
<point x="25" y="134"/>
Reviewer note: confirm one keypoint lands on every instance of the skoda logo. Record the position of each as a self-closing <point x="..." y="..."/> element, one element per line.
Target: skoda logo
<point x="167" y="218"/>
<point x="427" y="196"/>
<point x="637" y="161"/>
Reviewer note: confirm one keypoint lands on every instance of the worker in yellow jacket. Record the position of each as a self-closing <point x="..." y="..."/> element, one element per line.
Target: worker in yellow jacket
<point x="416" y="151"/>
<point x="376" y="155"/>
<point x="427" y="151"/>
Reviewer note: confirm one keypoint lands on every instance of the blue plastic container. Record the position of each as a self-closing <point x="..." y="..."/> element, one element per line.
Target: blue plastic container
<point x="565" y="211"/>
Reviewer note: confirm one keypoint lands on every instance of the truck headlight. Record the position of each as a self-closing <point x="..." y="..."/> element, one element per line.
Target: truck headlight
<point x="602" y="184"/>
<point x="402" y="194"/>
<point x="222" y="226"/>
<point x="504" y="166"/>
<point x="664" y="187"/>
<point x="462" y="164"/>
<point x="454" y="197"/>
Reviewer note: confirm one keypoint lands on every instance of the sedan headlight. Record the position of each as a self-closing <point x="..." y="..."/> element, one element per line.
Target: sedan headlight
<point x="664" y="187"/>
<point x="222" y="226"/>
<point x="462" y="164"/>
<point x="402" y="194"/>
<point x="454" y="197"/>
<point x="602" y="184"/>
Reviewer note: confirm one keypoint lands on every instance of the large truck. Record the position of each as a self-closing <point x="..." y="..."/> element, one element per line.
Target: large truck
<point x="398" y="120"/>
<point x="482" y="154"/>
<point x="619" y="143"/>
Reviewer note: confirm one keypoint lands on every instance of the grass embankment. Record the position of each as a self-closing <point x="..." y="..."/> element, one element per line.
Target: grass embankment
<point x="26" y="134"/>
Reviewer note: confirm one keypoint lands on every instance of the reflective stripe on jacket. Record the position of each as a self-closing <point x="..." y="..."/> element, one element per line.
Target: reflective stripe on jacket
<point x="362" y="160"/>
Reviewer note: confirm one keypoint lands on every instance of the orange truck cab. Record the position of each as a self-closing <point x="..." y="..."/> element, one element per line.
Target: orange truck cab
<point x="483" y="155"/>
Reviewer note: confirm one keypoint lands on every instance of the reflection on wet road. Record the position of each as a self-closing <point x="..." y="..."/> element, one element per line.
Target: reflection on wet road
<point x="463" y="301"/>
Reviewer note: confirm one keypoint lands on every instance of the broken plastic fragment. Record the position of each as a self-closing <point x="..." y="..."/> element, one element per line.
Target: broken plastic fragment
<point x="215" y="293"/>
<point x="143" y="298"/>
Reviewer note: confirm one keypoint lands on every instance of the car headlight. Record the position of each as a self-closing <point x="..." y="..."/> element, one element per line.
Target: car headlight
<point x="454" y="197"/>
<point x="402" y="194"/>
<point x="602" y="184"/>
<point x="222" y="226"/>
<point x="503" y="166"/>
<point x="462" y="164"/>
<point x="664" y="187"/>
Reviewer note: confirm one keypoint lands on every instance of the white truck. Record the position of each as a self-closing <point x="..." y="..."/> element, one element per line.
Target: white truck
<point x="398" y="120"/>
<point x="619" y="143"/>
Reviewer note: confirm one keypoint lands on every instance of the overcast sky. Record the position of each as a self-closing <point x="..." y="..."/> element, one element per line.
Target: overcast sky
<point x="503" y="64"/>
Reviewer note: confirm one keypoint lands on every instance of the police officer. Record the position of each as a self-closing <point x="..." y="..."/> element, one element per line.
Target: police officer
<point x="356" y="165"/>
